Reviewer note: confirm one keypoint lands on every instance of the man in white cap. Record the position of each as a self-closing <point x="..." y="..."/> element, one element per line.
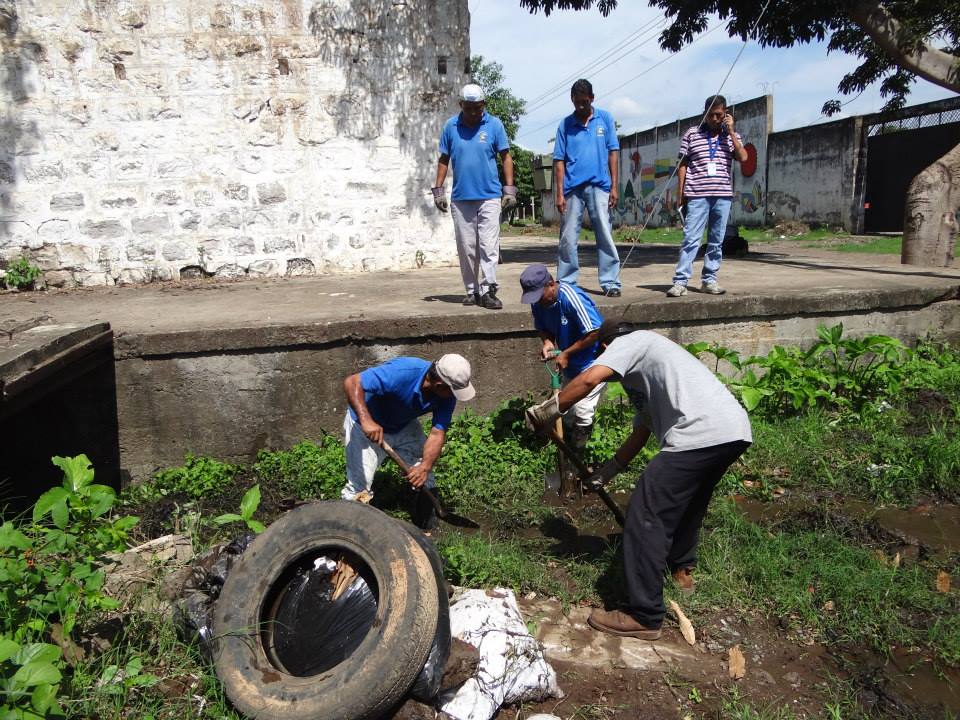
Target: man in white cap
<point x="384" y="404"/>
<point x="471" y="141"/>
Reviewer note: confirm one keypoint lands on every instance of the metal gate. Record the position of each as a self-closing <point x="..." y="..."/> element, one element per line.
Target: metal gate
<point x="896" y="152"/>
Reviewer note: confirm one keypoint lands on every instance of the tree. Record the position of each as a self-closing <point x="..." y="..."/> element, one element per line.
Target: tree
<point x="896" y="42"/>
<point x="500" y="101"/>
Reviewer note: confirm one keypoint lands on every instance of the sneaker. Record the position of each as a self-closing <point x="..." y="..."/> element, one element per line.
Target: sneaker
<point x="711" y="288"/>
<point x="677" y="290"/>
<point x="470" y="299"/>
<point x="490" y="301"/>
<point x="683" y="577"/>
<point x="617" y="622"/>
<point x="612" y="292"/>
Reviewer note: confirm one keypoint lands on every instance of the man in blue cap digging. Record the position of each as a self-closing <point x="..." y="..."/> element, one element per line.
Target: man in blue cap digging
<point x="568" y="321"/>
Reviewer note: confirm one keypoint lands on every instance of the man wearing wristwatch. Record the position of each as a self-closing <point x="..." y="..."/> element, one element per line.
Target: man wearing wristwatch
<point x="470" y="142"/>
<point x="707" y="152"/>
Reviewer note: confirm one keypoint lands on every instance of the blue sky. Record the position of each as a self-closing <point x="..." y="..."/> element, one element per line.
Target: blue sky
<point x="540" y="52"/>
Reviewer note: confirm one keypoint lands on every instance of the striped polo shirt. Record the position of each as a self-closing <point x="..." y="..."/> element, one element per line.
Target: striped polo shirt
<point x="697" y="146"/>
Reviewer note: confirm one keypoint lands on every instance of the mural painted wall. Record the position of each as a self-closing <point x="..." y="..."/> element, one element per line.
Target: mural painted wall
<point x="648" y="182"/>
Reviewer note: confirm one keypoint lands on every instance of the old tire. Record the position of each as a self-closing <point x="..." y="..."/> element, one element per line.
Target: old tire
<point x="379" y="670"/>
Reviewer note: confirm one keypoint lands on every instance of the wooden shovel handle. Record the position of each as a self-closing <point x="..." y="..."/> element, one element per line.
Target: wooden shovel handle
<point x="401" y="463"/>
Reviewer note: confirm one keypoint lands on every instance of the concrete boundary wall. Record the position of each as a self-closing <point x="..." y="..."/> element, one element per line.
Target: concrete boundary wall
<point x="231" y="393"/>
<point x="812" y="174"/>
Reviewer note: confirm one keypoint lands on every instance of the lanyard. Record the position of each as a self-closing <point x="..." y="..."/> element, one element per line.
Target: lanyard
<point x="713" y="147"/>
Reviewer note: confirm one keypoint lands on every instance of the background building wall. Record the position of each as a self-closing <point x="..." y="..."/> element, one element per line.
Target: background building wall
<point x="145" y="140"/>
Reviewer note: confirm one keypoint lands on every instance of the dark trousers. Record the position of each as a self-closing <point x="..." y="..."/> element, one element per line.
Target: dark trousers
<point x="663" y="521"/>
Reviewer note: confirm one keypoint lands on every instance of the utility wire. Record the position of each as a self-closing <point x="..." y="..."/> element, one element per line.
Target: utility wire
<point x="603" y="56"/>
<point x="655" y="65"/>
<point x="676" y="167"/>
<point x="561" y="88"/>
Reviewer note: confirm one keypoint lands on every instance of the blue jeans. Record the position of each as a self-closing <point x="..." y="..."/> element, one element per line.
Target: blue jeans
<point x="595" y="200"/>
<point x="699" y="211"/>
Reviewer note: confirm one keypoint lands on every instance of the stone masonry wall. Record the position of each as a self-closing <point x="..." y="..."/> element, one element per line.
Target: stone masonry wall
<point x="148" y="141"/>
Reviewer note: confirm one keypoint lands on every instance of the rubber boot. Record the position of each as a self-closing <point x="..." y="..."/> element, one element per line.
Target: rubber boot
<point x="424" y="514"/>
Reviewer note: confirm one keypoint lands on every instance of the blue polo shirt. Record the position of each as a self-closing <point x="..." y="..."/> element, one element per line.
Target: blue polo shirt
<point x="585" y="150"/>
<point x="473" y="155"/>
<point x="393" y="395"/>
<point x="571" y="317"/>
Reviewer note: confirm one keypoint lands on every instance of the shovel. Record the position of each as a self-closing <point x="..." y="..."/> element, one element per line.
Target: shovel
<point x="585" y="473"/>
<point x="443" y="514"/>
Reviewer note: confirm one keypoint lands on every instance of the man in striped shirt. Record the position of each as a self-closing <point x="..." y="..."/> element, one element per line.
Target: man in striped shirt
<point x="707" y="152"/>
<point x="568" y="322"/>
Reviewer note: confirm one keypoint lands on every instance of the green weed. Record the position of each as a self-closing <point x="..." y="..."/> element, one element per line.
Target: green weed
<point x="822" y="585"/>
<point x="52" y="583"/>
<point x="307" y="470"/>
<point x="197" y="478"/>
<point x="248" y="506"/>
<point x="20" y="274"/>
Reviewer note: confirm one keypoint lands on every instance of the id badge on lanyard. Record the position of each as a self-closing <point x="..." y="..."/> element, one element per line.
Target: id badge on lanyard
<point x="712" y="164"/>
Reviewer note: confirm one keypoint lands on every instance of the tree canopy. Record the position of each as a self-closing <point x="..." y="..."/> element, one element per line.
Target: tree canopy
<point x="896" y="41"/>
<point x="500" y="101"/>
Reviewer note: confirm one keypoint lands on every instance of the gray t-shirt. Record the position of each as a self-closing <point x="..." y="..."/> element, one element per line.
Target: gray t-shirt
<point x="675" y="395"/>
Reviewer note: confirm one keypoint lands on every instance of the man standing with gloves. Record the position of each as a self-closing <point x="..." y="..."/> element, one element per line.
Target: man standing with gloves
<point x="471" y="141"/>
<point x="701" y="429"/>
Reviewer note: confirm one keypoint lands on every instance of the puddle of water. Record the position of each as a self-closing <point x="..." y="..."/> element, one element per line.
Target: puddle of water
<point x="935" y="527"/>
<point x="914" y="677"/>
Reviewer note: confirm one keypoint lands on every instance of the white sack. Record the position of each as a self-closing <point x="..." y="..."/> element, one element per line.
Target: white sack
<point x="512" y="667"/>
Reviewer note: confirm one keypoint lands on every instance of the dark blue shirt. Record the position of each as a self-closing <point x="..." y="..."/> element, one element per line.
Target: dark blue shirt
<point x="394" y="397"/>
<point x="585" y="150"/>
<point x="571" y="317"/>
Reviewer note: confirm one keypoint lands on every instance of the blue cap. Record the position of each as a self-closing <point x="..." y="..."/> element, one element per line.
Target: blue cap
<point x="533" y="280"/>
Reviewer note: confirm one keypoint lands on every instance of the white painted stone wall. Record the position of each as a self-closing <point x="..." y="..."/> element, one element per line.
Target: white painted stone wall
<point x="144" y="140"/>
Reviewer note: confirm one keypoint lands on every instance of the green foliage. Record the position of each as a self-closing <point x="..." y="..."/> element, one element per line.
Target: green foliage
<point x="523" y="174"/>
<point x="197" y="478"/>
<point x="836" y="372"/>
<point x="307" y="470"/>
<point x="20" y="274"/>
<point x="50" y="574"/>
<point x="248" y="506"/>
<point x="500" y="101"/>
<point x="524" y="566"/>
<point x="495" y="462"/>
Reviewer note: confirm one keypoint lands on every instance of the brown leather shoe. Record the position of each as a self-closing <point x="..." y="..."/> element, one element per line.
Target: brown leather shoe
<point x="683" y="577"/>
<point x="616" y="622"/>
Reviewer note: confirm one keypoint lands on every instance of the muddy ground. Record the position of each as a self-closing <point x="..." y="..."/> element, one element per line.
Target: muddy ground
<point x="605" y="677"/>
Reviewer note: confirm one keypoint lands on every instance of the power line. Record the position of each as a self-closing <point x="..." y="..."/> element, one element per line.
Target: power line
<point x="603" y="56"/>
<point x="655" y="65"/>
<point x="560" y="88"/>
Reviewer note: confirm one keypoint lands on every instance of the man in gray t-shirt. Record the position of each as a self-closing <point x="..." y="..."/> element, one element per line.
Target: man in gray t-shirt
<point x="701" y="429"/>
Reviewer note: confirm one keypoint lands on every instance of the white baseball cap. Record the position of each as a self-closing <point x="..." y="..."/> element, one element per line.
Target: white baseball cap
<point x="472" y="93"/>
<point x="454" y="370"/>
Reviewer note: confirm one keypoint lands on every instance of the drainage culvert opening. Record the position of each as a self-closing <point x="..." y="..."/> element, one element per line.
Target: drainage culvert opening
<point x="319" y="611"/>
